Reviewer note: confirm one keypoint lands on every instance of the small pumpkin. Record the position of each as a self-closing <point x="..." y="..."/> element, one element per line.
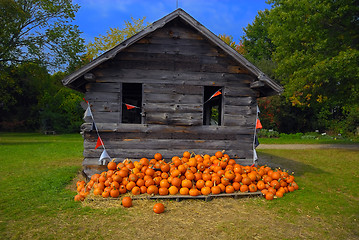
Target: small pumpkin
<point x="173" y="190"/>
<point x="78" y="198"/>
<point x="229" y="189"/>
<point x="136" y="190"/>
<point x="205" y="190"/>
<point x="158" y="156"/>
<point x="127" y="202"/>
<point x="269" y="196"/>
<point x="163" y="191"/>
<point x="194" y="192"/>
<point x="158" y="208"/>
<point x="216" y="190"/>
<point x="105" y="194"/>
<point x="184" y="191"/>
<point x="115" y="193"/>
<point x="243" y="188"/>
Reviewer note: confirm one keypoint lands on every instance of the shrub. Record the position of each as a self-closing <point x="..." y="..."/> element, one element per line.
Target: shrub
<point x="265" y="133"/>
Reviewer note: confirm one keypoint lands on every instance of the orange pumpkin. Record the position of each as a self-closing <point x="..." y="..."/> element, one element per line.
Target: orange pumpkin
<point x="158" y="208"/>
<point x="216" y="190"/>
<point x="186" y="183"/>
<point x="184" y="191"/>
<point x="269" y="196"/>
<point x="136" y="190"/>
<point x="173" y="190"/>
<point x="219" y="154"/>
<point x="205" y="190"/>
<point x="153" y="189"/>
<point x="163" y="191"/>
<point x="158" y="156"/>
<point x="194" y="192"/>
<point x="115" y="193"/>
<point x="252" y="187"/>
<point x="229" y="189"/>
<point x="78" y="198"/>
<point x="127" y="202"/>
<point x="243" y="188"/>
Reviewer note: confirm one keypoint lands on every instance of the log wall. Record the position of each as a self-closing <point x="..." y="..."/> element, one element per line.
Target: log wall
<point x="173" y="64"/>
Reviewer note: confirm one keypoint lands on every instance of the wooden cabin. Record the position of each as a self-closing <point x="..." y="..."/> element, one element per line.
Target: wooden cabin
<point x="169" y="71"/>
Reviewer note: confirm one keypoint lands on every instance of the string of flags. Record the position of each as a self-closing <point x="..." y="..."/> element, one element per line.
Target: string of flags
<point x="129" y="106"/>
<point x="214" y="95"/>
<point x="217" y="93"/>
<point x="104" y="155"/>
<point x="255" y="140"/>
<point x="88" y="114"/>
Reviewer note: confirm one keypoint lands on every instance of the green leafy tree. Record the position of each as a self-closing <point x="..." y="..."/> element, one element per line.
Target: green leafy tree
<point x="313" y="46"/>
<point x="40" y="101"/>
<point x="35" y="35"/>
<point x="60" y="108"/>
<point x="113" y="37"/>
<point x="317" y="51"/>
<point x="258" y="47"/>
<point x="39" y="31"/>
<point x="256" y="41"/>
<point x="25" y="83"/>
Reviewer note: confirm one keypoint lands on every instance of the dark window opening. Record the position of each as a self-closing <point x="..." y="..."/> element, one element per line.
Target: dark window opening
<point x="131" y="102"/>
<point x="212" y="107"/>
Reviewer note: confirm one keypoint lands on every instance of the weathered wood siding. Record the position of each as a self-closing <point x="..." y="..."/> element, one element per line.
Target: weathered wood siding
<point x="173" y="64"/>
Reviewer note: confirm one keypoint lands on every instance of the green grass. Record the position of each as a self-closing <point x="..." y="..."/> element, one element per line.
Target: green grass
<point x="35" y="170"/>
<point x="329" y="181"/>
<point x="36" y="202"/>
<point x="274" y="137"/>
<point x="293" y="139"/>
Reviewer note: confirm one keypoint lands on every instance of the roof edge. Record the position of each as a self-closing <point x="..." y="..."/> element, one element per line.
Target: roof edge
<point x="233" y="53"/>
<point x="159" y="24"/>
<point x="111" y="53"/>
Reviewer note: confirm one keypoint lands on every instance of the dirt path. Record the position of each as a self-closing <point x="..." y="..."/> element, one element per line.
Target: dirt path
<point x="309" y="146"/>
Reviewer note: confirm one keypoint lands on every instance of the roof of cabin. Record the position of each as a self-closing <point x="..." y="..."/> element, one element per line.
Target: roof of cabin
<point x="263" y="82"/>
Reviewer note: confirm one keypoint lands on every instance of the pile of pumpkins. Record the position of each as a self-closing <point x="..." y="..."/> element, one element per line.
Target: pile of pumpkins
<point x="187" y="175"/>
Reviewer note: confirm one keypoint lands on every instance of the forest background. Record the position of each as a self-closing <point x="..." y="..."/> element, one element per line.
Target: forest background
<point x="308" y="46"/>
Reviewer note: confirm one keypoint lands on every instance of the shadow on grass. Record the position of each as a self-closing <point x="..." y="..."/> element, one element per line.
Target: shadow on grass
<point x="290" y="165"/>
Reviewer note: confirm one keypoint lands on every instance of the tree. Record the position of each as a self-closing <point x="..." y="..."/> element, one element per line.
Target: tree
<point x="229" y="40"/>
<point x="317" y="51"/>
<point x="314" y="47"/>
<point x="113" y="37"/>
<point x="39" y="31"/>
<point x="25" y="81"/>
<point x="38" y="100"/>
<point x="35" y="35"/>
<point x="258" y="47"/>
<point x="60" y="107"/>
<point x="256" y="40"/>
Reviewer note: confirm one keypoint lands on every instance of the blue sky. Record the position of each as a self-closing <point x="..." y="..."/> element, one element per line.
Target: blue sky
<point x="229" y="17"/>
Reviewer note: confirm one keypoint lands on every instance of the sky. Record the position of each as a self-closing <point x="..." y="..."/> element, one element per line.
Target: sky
<point x="228" y="17"/>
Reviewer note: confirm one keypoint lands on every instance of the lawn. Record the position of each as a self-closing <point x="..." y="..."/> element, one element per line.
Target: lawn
<point x="37" y="180"/>
<point x="308" y="138"/>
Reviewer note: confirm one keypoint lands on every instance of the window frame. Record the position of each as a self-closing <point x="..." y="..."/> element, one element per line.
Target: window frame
<point x="139" y="105"/>
<point x="208" y="91"/>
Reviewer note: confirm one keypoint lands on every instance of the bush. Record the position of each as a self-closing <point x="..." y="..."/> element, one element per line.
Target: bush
<point x="62" y="111"/>
<point x="264" y="133"/>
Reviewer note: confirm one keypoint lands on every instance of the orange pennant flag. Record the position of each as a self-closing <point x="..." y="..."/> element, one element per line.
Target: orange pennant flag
<point x="217" y="93"/>
<point x="258" y="124"/>
<point x="99" y="142"/>
<point x="130" y="106"/>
